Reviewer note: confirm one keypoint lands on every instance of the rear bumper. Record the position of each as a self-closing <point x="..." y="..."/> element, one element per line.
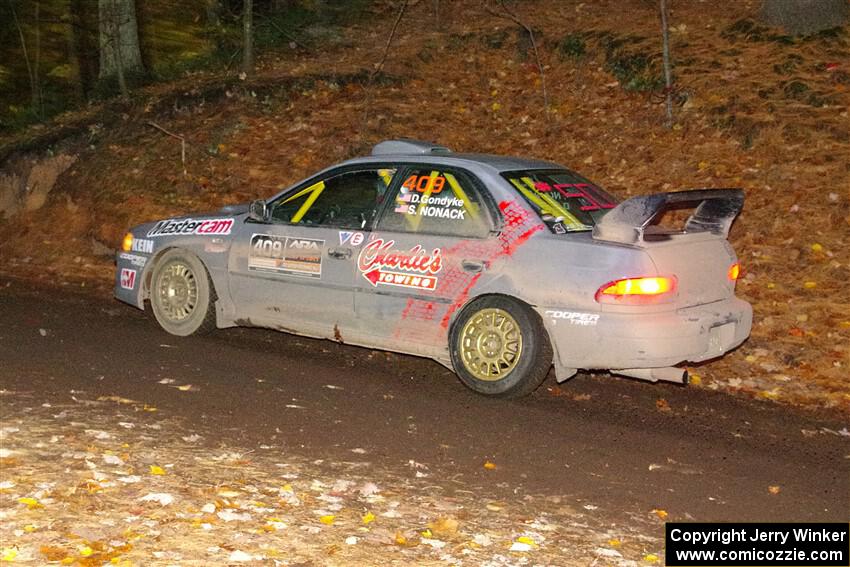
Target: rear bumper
<point x="656" y="340"/>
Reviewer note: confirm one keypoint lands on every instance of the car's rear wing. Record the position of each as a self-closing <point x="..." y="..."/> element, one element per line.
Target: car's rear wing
<point x="715" y="211"/>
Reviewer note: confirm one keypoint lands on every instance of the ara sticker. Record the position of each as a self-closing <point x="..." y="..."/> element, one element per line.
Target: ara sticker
<point x="191" y="226"/>
<point x="128" y="278"/>
<point x="352" y="238"/>
<point x="574" y="317"/>
<point x="286" y="255"/>
<point x="414" y="269"/>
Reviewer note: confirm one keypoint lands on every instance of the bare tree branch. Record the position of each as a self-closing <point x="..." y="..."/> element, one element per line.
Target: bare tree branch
<point x="380" y="66"/>
<point x="668" y="79"/>
<point x="509" y="15"/>
<point x="33" y="88"/>
<point x="177" y="136"/>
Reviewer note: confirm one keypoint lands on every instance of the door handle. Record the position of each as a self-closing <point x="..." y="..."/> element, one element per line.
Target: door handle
<point x="339" y="253"/>
<point x="474" y="266"/>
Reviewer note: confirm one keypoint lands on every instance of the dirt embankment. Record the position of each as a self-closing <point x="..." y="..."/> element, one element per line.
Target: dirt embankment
<point x="755" y="109"/>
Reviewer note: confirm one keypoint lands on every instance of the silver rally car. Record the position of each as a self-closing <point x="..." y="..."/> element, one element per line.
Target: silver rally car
<point x="496" y="267"/>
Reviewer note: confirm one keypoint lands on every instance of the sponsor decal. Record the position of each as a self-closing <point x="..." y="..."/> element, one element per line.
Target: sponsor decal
<point x="415" y="269"/>
<point x="142" y="245"/>
<point x="182" y="227"/>
<point x="574" y="317"/>
<point x="352" y="238"/>
<point x="128" y="278"/>
<point x="286" y="255"/>
<point x="138" y="261"/>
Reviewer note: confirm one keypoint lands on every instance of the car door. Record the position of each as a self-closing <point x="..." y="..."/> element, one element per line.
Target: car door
<point x="428" y="249"/>
<point x="296" y="271"/>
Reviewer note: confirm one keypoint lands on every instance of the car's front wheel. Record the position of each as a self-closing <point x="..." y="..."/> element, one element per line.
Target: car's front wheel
<point x="182" y="295"/>
<point x="500" y="348"/>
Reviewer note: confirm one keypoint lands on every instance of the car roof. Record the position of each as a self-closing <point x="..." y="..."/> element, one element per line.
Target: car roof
<point x="414" y="151"/>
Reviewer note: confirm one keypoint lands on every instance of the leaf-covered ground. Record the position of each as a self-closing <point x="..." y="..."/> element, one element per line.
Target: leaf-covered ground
<point x="113" y="481"/>
<point x="754" y="109"/>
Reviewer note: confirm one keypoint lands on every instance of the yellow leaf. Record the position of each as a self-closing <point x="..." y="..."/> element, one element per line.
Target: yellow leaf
<point x="327" y="520"/>
<point x="368" y="518"/>
<point x="651" y="558"/>
<point x="287" y="488"/>
<point x="773" y="489"/>
<point x="157" y="470"/>
<point x="810" y="285"/>
<point x="660" y="513"/>
<point x="9" y="554"/>
<point x="444" y="527"/>
<point x="614" y="542"/>
<point x="489" y="466"/>
<point x="496" y="107"/>
<point x="149" y="408"/>
<point x="185" y="388"/>
<point x="427" y="533"/>
<point x="31" y="503"/>
<point x="400" y="539"/>
<point x="85" y="550"/>
<point x="526" y="540"/>
<point x="817" y="247"/>
<point x="695" y="379"/>
<point x="29" y="528"/>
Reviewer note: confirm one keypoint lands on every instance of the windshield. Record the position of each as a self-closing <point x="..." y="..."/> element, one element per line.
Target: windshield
<point x="565" y="201"/>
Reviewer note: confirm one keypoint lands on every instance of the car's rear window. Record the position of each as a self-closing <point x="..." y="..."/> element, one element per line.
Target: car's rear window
<point x="565" y="201"/>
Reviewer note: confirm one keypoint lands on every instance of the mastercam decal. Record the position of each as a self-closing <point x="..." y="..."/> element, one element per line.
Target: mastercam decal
<point x="286" y="255"/>
<point x="415" y="269"/>
<point x="191" y="226"/>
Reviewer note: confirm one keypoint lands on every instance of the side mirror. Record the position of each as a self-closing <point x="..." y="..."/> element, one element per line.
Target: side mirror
<point x="258" y="211"/>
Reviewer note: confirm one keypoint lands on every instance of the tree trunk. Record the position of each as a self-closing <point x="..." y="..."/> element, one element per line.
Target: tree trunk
<point x="82" y="51"/>
<point x="803" y="17"/>
<point x="248" y="37"/>
<point x="119" y="41"/>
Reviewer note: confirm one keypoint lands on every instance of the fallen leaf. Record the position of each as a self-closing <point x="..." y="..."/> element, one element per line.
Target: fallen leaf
<point x="157" y="470"/>
<point x="660" y="513"/>
<point x="328" y="519"/>
<point x="662" y="405"/>
<point x="650" y="558"/>
<point x="240" y="556"/>
<point x="489" y="466"/>
<point x="773" y="489"/>
<point x="444" y="527"/>
<point x="31" y="503"/>
<point x="162" y="498"/>
<point x="368" y="518"/>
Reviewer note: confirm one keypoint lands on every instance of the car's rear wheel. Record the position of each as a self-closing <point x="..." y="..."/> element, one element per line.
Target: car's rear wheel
<point x="500" y="348"/>
<point x="182" y="294"/>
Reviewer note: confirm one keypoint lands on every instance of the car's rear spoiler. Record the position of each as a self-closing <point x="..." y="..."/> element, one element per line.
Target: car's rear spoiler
<point x="715" y="211"/>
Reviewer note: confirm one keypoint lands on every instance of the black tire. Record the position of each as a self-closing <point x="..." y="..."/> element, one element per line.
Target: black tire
<point x="474" y="353"/>
<point x="182" y="295"/>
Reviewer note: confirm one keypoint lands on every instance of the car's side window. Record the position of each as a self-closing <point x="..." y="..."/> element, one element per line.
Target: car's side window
<point x="435" y="200"/>
<point x="345" y="200"/>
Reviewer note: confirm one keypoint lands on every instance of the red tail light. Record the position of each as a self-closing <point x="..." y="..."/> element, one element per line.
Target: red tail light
<point x="637" y="290"/>
<point x="734" y="271"/>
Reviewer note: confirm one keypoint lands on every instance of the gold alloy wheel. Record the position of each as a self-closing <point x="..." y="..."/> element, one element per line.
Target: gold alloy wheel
<point x="490" y="344"/>
<point x="177" y="291"/>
